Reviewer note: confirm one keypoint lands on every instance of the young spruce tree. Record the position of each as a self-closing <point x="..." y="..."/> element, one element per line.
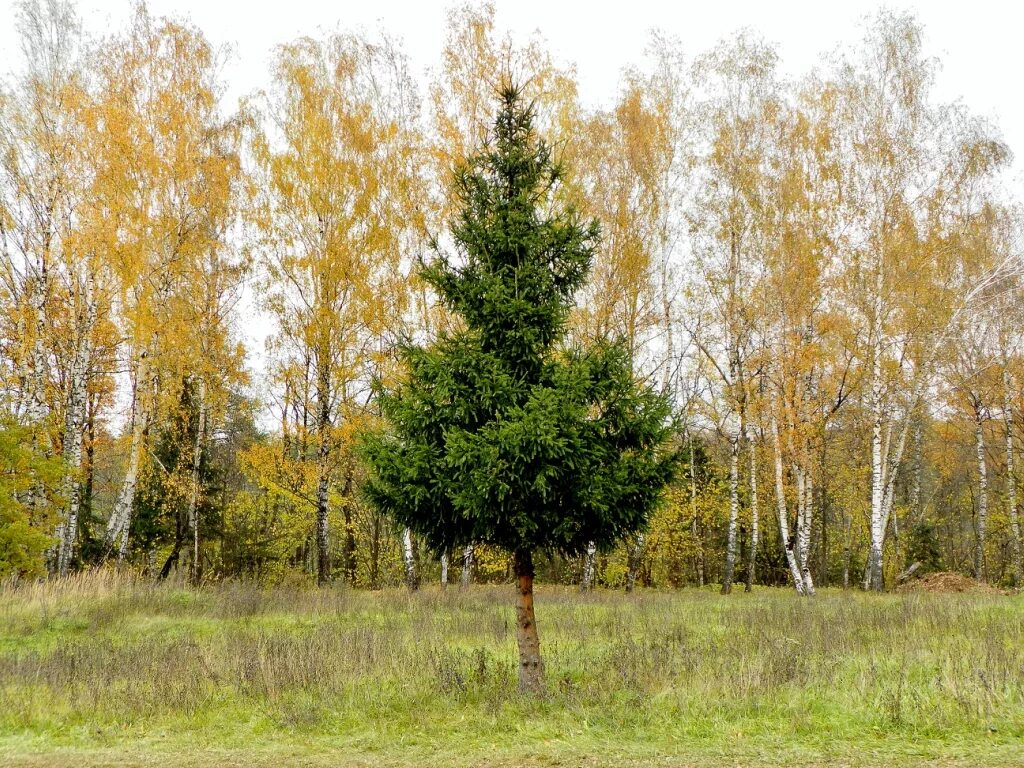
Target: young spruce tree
<point x="497" y="433"/>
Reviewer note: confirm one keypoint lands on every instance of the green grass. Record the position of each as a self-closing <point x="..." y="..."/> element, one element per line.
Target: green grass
<point x="105" y="671"/>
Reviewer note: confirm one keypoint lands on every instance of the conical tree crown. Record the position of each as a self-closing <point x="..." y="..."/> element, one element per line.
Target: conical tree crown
<point x="498" y="434"/>
<point x="521" y="261"/>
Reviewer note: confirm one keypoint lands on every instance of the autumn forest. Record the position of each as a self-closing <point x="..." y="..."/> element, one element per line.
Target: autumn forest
<point x="823" y="274"/>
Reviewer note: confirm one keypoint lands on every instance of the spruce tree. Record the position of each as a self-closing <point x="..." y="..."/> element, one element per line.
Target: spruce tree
<point x="500" y="433"/>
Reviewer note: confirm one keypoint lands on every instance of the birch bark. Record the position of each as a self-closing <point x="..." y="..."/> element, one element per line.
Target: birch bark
<point x="783" y="513"/>
<point x="467" y="566"/>
<point x="734" y="512"/>
<point x="1011" y="482"/>
<point x="589" y="560"/>
<point x="982" y="521"/>
<point x="754" y="513"/>
<point x="410" y="560"/>
<point x="74" y="432"/>
<point x="119" y="524"/>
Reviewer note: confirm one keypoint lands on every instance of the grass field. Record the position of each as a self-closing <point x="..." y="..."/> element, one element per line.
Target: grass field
<point x="103" y="671"/>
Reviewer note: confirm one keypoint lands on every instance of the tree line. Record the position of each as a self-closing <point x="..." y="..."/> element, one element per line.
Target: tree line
<point x="821" y="273"/>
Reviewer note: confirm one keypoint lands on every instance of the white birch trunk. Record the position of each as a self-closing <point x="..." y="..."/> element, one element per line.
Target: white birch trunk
<point x="589" y="559"/>
<point x="915" y="485"/>
<point x="1011" y="482"/>
<point x="783" y="514"/>
<point x="804" y="532"/>
<point x="873" y="575"/>
<point x="734" y="512"/>
<point x="37" y="406"/>
<point x="410" y="560"/>
<point x="444" y="569"/>
<point x="979" y="545"/>
<point x="467" y="566"/>
<point x="119" y="524"/>
<point x="74" y="434"/>
<point x="754" y="515"/>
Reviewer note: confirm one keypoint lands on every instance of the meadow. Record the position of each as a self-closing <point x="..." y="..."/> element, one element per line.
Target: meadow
<point x="105" y="670"/>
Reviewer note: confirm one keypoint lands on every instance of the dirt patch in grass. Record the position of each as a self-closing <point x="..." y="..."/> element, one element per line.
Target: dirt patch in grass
<point x="948" y="582"/>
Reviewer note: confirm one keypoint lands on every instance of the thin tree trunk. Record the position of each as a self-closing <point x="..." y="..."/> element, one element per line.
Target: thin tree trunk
<point x="119" y="524"/>
<point x="979" y="542"/>
<point x="873" y="577"/>
<point x="695" y="524"/>
<point x="825" y="506"/>
<point x="349" y="554"/>
<point x="589" y="561"/>
<point x="531" y="670"/>
<point x="754" y="515"/>
<point x="410" y="561"/>
<point x="783" y="513"/>
<point x="38" y="410"/>
<point x="847" y="553"/>
<point x="635" y="556"/>
<point x="734" y="513"/>
<point x="444" y="568"/>
<point x="1011" y="483"/>
<point x="918" y="468"/>
<point x="873" y="571"/>
<point x="323" y="425"/>
<point x="193" y="498"/>
<point x="804" y="533"/>
<point x="467" y="566"/>
<point x="74" y="435"/>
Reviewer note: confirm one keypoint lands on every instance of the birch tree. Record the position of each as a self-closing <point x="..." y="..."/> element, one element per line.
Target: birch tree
<point x="739" y="82"/>
<point x="332" y="156"/>
<point x="909" y="165"/>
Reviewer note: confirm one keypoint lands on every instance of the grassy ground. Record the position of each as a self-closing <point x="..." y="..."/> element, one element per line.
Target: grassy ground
<point x="106" y="672"/>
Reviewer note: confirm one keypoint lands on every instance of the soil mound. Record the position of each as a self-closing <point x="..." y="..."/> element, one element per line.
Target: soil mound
<point x="948" y="582"/>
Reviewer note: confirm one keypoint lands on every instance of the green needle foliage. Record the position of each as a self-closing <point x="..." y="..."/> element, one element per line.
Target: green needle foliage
<point x="498" y="433"/>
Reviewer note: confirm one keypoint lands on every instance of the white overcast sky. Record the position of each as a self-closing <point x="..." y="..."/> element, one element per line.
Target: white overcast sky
<point x="979" y="43"/>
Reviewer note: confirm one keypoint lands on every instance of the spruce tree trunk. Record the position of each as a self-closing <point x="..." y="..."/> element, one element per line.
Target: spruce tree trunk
<point x="531" y="670"/>
<point x="410" y="561"/>
<point x="1011" y="483"/>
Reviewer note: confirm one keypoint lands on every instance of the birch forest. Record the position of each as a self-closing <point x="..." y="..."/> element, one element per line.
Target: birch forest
<point x="200" y="296"/>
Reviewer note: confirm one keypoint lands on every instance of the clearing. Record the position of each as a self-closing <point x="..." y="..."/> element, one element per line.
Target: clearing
<point x="105" y="671"/>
